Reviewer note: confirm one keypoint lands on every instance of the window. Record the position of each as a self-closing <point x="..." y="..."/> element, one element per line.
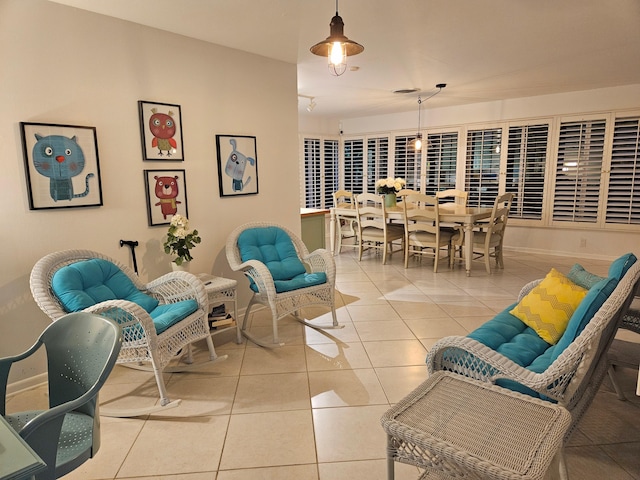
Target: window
<point x="578" y="171"/>
<point x="407" y="162"/>
<point x="331" y="169"/>
<point x="483" y="166"/>
<point x="312" y="173"/>
<point x="442" y="156"/>
<point x="354" y="165"/>
<point x="623" y="197"/>
<point x="377" y="161"/>
<point x="526" y="161"/>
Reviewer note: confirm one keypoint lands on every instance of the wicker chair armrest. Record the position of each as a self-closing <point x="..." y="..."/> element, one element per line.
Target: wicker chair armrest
<point x="320" y="260"/>
<point x="473" y="359"/>
<point x="127" y="314"/>
<point x="177" y="286"/>
<point x="260" y="274"/>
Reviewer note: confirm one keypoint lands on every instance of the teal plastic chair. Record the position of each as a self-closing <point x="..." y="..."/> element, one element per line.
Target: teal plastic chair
<point x="81" y="350"/>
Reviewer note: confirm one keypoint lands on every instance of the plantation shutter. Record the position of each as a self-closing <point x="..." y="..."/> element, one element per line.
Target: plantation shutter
<point x="442" y="155"/>
<point x="482" y="166"/>
<point x="623" y="197"/>
<point x="377" y="161"/>
<point x="407" y="162"/>
<point x="354" y="165"/>
<point x="331" y="169"/>
<point x="578" y="171"/>
<point x="526" y="160"/>
<point x="312" y="173"/>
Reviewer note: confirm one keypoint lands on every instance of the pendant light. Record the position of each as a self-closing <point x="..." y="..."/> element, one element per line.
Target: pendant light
<point x="417" y="144"/>
<point x="336" y="47"/>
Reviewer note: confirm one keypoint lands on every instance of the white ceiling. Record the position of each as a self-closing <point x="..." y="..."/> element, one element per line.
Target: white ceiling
<point x="483" y="50"/>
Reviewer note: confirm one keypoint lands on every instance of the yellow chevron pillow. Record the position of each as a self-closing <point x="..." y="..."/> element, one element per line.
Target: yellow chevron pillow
<point x="549" y="306"/>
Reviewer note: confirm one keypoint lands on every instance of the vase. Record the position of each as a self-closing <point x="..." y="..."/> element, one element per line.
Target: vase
<point x="185" y="267"/>
<point x="390" y="200"/>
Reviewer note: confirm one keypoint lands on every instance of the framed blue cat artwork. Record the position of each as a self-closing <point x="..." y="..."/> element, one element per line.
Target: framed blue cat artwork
<point x="61" y="166"/>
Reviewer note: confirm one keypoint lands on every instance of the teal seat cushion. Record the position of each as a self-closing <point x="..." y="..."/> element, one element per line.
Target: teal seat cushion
<point x="166" y="315"/>
<point x="621" y="265"/>
<point x="273" y="247"/>
<point x="82" y="284"/>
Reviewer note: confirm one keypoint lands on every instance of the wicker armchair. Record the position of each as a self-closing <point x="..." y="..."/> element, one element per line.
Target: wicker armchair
<point x="143" y="348"/>
<point x="271" y="289"/>
<point x="571" y="380"/>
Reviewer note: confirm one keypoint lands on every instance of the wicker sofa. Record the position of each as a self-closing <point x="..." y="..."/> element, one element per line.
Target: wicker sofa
<point x="507" y="353"/>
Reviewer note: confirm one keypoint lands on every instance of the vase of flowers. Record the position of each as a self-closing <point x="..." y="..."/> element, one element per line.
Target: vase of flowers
<point x="180" y="241"/>
<point x="389" y="187"/>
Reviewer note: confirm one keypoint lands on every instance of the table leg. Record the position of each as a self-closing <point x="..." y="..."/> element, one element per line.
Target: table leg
<point x="332" y="232"/>
<point x="468" y="246"/>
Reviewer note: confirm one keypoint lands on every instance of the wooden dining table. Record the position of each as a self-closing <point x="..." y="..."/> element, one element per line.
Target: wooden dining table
<point x="449" y="213"/>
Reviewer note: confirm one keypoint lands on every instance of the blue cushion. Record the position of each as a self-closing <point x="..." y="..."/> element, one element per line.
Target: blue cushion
<point x="83" y="284"/>
<point x="580" y="276"/>
<point x="166" y="315"/>
<point x="273" y="247"/>
<point x="620" y="266"/>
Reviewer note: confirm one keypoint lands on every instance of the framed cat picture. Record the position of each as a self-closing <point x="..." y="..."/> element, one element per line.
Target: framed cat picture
<point x="61" y="163"/>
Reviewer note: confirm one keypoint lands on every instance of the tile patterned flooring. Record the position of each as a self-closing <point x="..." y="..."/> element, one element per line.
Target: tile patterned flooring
<point x="310" y="410"/>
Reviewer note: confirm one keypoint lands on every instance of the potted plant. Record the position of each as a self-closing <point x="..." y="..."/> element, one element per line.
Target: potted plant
<point x="389" y="187"/>
<point x="180" y="241"/>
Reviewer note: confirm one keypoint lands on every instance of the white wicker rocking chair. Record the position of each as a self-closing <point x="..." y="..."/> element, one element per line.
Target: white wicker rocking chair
<point x="265" y="289"/>
<point x="143" y="348"/>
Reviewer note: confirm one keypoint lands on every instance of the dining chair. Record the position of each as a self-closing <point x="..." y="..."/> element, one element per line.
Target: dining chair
<point x="374" y="228"/>
<point x="459" y="197"/>
<point x="346" y="225"/>
<point x="488" y="242"/>
<point x="423" y="235"/>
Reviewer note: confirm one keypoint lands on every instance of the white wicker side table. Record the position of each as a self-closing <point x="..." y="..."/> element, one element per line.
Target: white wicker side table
<point x="222" y="290"/>
<point x="454" y="427"/>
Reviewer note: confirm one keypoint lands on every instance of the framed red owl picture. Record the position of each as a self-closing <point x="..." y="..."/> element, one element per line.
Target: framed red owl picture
<point x="161" y="131"/>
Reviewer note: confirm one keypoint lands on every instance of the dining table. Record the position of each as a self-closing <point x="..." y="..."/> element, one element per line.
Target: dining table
<point x="449" y="212"/>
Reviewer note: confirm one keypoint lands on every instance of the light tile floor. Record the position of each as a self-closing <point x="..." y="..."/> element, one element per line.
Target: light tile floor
<point x="310" y="410"/>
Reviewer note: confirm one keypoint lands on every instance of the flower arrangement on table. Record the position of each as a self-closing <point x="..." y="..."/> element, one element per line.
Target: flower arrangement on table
<point x="180" y="240"/>
<point x="390" y="185"/>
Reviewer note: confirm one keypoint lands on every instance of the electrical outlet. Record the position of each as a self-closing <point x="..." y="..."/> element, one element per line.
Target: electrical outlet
<point x="583" y="243"/>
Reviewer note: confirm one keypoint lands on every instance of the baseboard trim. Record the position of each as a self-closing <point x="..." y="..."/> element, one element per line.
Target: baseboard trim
<point x="27" y="384"/>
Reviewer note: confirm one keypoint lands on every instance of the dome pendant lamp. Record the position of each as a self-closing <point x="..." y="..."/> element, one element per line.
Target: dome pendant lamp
<point x="336" y="47"/>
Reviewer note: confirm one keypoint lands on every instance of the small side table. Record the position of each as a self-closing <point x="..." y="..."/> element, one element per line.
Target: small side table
<point x="222" y="290"/>
<point x="457" y="427"/>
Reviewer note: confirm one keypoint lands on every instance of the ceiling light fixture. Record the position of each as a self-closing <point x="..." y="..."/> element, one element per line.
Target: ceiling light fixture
<point x="417" y="144"/>
<point x="336" y="47"/>
<point x="311" y="105"/>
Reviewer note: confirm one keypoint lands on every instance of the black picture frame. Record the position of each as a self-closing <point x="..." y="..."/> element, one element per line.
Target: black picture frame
<point x="62" y="167"/>
<point x="165" y="143"/>
<point x="162" y="206"/>
<point x="237" y="165"/>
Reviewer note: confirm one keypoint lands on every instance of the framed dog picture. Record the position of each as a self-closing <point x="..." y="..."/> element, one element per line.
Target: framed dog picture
<point x="237" y="165"/>
<point x="166" y="192"/>
<point x="161" y="131"/>
<point x="61" y="166"/>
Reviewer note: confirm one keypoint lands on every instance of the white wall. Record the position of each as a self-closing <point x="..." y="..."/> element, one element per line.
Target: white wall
<point x="605" y="244"/>
<point x="67" y="66"/>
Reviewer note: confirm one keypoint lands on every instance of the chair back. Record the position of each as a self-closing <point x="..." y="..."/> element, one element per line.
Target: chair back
<point x="459" y="197"/>
<point x="343" y="199"/>
<point x="421" y="214"/>
<point x="371" y="212"/>
<point x="498" y="221"/>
